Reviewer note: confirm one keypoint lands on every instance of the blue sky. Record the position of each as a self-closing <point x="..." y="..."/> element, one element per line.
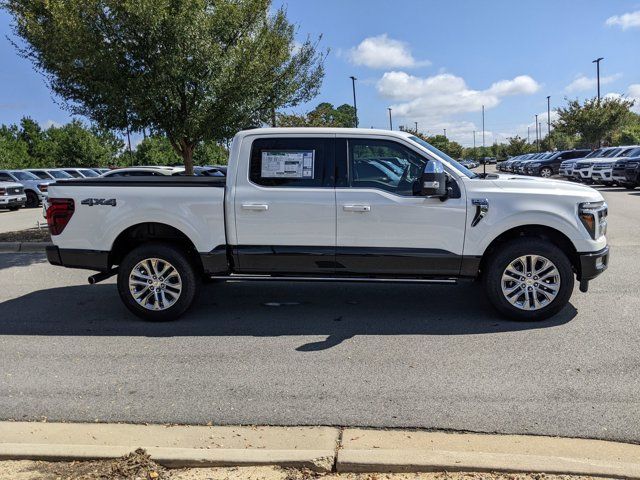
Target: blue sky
<point x="434" y="62"/>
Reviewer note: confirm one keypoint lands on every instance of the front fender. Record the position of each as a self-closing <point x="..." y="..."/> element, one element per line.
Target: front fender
<point x="496" y="223"/>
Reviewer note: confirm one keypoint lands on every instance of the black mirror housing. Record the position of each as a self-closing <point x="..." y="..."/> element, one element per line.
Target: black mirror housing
<point x="434" y="180"/>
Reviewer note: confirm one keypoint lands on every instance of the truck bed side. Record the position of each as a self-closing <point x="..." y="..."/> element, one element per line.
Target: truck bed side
<point x="108" y="210"/>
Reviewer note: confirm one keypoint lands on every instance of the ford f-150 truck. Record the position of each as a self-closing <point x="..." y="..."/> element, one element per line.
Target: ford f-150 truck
<point x="325" y="204"/>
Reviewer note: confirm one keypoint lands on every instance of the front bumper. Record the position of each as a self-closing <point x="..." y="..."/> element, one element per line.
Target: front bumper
<point x="593" y="264"/>
<point x="602" y="175"/>
<point x="7" y="201"/>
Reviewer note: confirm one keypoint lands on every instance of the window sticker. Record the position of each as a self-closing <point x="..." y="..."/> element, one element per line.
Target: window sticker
<point x="288" y="164"/>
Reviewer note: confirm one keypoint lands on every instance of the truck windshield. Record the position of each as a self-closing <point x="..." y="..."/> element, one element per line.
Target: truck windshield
<point x="460" y="168"/>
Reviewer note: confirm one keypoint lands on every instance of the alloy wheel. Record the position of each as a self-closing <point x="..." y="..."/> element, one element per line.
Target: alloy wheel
<point x="155" y="284"/>
<point x="530" y="282"/>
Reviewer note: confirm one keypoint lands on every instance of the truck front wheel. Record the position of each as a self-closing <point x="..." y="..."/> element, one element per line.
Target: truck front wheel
<point x="529" y="279"/>
<point x="157" y="282"/>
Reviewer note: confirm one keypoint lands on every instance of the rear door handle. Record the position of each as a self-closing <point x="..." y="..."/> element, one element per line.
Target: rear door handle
<point x="256" y="207"/>
<point x="356" y="208"/>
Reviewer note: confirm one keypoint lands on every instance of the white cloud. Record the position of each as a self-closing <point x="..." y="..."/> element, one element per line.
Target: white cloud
<point x="384" y="52"/>
<point x="625" y="21"/>
<point x="50" y="123"/>
<point x="521" y="85"/>
<point x="445" y="94"/>
<point x="583" y="83"/>
<point x="435" y="102"/>
<point x="633" y="93"/>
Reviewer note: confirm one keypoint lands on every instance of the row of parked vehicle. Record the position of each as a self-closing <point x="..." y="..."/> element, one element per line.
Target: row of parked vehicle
<point x="606" y="166"/>
<point x="28" y="187"/>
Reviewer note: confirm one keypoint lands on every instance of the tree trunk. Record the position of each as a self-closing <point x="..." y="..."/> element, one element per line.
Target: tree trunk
<point x="187" y="158"/>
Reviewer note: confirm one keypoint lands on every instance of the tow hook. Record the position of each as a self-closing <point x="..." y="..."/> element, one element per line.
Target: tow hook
<point x="584" y="286"/>
<point x="98" y="277"/>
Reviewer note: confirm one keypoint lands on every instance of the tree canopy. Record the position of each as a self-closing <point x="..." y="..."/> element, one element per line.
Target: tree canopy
<point x="192" y="70"/>
<point x="324" y="115"/>
<point x="594" y="120"/>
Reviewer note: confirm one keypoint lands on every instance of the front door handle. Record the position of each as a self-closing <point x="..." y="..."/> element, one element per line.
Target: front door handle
<point x="356" y="208"/>
<point x="256" y="207"/>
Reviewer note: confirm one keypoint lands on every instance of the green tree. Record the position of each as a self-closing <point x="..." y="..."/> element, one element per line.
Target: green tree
<point x="14" y="152"/>
<point x="74" y="145"/>
<point x="193" y="70"/>
<point x="594" y="120"/>
<point x="324" y="115"/>
<point x="156" y="150"/>
<point x="517" y="146"/>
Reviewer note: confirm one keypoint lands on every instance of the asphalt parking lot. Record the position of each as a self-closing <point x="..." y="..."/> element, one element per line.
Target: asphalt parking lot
<point x="20" y="219"/>
<point x="367" y="355"/>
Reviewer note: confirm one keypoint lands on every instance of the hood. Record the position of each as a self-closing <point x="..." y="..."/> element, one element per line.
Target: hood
<point x="515" y="183"/>
<point x="10" y="184"/>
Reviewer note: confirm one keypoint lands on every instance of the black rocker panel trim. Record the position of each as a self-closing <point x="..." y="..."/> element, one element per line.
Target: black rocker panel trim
<point x="352" y="261"/>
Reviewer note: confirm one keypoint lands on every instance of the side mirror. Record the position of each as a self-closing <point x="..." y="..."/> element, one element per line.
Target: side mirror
<point x="434" y="180"/>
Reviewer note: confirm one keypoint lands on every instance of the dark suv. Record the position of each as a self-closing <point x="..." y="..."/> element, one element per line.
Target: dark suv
<point x="546" y="167"/>
<point x="632" y="173"/>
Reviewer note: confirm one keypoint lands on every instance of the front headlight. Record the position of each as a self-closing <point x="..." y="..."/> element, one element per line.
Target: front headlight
<point x="593" y="216"/>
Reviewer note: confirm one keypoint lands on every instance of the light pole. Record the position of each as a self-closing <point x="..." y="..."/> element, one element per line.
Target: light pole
<point x="416" y="124"/>
<point x="528" y="129"/>
<point x="445" y="132"/>
<point x="597" y="62"/>
<point x="355" y="106"/>
<point x="549" y="120"/>
<point x="474" y="145"/>
<point x="390" y="121"/>
<point x="537" y="137"/>
<point x="484" y="164"/>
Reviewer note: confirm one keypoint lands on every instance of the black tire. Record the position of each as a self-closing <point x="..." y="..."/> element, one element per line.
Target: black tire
<point x="629" y="186"/>
<point x="177" y="258"/>
<point x="509" y="252"/>
<point x="13" y="209"/>
<point x="32" y="199"/>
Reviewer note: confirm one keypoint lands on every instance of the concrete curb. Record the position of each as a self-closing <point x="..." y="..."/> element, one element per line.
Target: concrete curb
<point x="321" y="449"/>
<point x="315" y="460"/>
<point x="26" y="247"/>
<point x="311" y="448"/>
<point x="367" y="450"/>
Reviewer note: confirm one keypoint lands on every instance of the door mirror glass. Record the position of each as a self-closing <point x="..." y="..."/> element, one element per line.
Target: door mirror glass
<point x="434" y="180"/>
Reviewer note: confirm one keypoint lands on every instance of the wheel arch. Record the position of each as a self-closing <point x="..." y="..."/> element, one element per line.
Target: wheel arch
<point x="543" y="232"/>
<point x="146" y="232"/>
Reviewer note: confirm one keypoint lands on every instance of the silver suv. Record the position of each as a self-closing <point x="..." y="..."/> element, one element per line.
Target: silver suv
<point x="34" y="188"/>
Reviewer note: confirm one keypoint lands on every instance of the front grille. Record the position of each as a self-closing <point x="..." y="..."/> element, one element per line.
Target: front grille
<point x="582" y="165"/>
<point x="632" y="165"/>
<point x="15" y="190"/>
<point x="605" y="166"/>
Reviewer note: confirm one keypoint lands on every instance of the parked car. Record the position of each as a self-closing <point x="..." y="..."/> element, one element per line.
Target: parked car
<point x="550" y="165"/>
<point x="35" y="189"/>
<point x="162" y="171"/>
<point x="80" y="172"/>
<point x="632" y="173"/>
<point x="520" y="167"/>
<point x="583" y="170"/>
<point x="602" y="172"/>
<point x="567" y="167"/>
<point x="138" y="172"/>
<point x="290" y="209"/>
<point x="511" y="164"/>
<point x="49" y="173"/>
<point x="12" y="195"/>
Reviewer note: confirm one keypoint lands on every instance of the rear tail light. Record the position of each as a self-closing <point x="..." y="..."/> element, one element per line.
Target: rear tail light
<point x="59" y="212"/>
<point x="43" y="187"/>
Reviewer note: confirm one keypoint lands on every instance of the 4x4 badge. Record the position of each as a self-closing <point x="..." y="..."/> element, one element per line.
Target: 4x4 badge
<point x="90" y="202"/>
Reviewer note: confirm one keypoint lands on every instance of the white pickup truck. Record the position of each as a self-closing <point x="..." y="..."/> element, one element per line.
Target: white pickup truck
<point x="326" y="204"/>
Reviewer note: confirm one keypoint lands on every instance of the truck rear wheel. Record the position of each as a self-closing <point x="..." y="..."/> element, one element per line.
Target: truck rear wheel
<point x="529" y="279"/>
<point x="157" y="282"/>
